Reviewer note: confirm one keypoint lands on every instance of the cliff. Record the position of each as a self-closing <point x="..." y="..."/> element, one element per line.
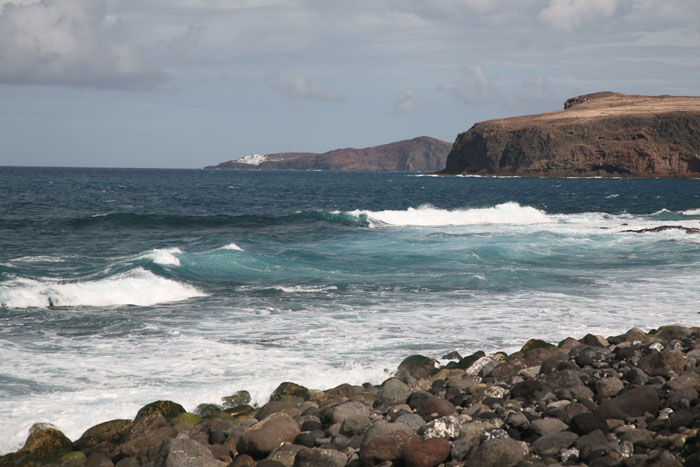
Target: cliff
<point x="422" y="154"/>
<point x="601" y="134"/>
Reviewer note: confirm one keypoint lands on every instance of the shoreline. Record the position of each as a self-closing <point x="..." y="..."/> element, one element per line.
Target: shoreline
<point x="630" y="399"/>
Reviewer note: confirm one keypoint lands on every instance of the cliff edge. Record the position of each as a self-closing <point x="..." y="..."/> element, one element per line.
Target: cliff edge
<point x="600" y="134"/>
<point x="422" y="154"/>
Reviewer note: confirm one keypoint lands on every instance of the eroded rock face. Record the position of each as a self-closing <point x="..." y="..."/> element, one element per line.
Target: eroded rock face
<point x="602" y="134"/>
<point x="422" y="154"/>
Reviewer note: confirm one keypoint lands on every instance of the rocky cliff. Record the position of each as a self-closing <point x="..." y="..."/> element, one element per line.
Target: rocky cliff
<point x="601" y="134"/>
<point x="422" y="154"/>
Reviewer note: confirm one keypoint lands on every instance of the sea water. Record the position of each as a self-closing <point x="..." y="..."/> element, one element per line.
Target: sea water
<point x="120" y="287"/>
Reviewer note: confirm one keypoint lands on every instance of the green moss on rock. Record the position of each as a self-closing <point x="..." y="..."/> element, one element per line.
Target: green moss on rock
<point x="112" y="431"/>
<point x="208" y="410"/>
<point x="46" y="442"/>
<point x="536" y="344"/>
<point x="238" y="399"/>
<point x="290" y="392"/>
<point x="167" y="409"/>
<point x="469" y="360"/>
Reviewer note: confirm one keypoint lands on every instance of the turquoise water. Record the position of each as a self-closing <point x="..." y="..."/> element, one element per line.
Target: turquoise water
<point x="119" y="287"/>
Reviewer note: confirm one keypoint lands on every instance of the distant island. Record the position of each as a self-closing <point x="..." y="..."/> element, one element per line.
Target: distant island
<point x="422" y="154"/>
<point x="602" y="134"/>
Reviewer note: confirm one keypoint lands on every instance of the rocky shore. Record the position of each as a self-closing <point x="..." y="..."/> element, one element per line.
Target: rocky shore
<point x="627" y="400"/>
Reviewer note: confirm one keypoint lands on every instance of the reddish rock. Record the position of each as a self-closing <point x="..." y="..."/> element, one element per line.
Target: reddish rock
<point x="147" y="431"/>
<point x="633" y="403"/>
<point x="437" y="405"/>
<point x="388" y="447"/>
<point x="671" y="360"/>
<point x="243" y="460"/>
<point x="428" y="453"/>
<point x="264" y="436"/>
<point x="601" y="134"/>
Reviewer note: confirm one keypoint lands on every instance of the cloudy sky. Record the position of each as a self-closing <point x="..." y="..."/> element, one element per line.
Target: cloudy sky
<point x="186" y="83"/>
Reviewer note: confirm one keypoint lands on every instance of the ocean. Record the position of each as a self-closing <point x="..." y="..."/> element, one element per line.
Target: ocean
<point x="119" y="287"/>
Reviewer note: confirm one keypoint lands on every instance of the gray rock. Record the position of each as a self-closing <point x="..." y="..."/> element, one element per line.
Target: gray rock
<point x="266" y="435"/>
<point x="608" y="387"/>
<point x="320" y="458"/>
<point x="413" y="420"/>
<point x="339" y="413"/>
<point x="548" y="425"/>
<point x="184" y="452"/>
<point x="518" y="420"/>
<point x="382" y="427"/>
<point x="552" y="443"/>
<point x="636" y="376"/>
<point x="460" y="449"/>
<point x="637" y="436"/>
<point x="633" y="403"/>
<point x="352" y="426"/>
<point x="393" y="391"/>
<point x="285" y="454"/>
<point x="497" y="453"/>
<point x="592" y="445"/>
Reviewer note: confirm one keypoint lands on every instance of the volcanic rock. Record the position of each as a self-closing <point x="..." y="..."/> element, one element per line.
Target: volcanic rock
<point x="600" y="134"/>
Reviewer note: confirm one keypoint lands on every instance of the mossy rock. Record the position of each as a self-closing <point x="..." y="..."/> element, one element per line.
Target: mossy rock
<point x="112" y="431"/>
<point x="73" y="459"/>
<point x="416" y="366"/>
<point x="469" y="360"/>
<point x="186" y="417"/>
<point x="208" y="410"/>
<point x="290" y="392"/>
<point x="500" y="356"/>
<point x="536" y="344"/>
<point x="238" y="399"/>
<point x="167" y="409"/>
<point x="46" y="442"/>
<point x="441" y="374"/>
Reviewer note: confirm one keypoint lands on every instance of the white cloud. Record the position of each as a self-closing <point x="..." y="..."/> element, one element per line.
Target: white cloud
<point x="568" y="15"/>
<point x="405" y="101"/>
<point x="477" y="88"/>
<point x="298" y="86"/>
<point x="70" y="42"/>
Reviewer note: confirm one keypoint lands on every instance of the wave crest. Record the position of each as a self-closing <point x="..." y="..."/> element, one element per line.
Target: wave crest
<point x="134" y="287"/>
<point x="430" y="216"/>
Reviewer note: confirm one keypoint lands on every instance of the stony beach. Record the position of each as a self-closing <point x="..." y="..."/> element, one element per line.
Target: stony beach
<point x="626" y="400"/>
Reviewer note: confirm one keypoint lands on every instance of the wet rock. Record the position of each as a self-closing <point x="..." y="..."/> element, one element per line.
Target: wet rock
<point x="167" y="409"/>
<point x="595" y="341"/>
<point x="184" y="452"/>
<point x="536" y="344"/>
<point x="414" y="369"/>
<point x="146" y="432"/>
<point x="240" y="398"/>
<point x="496" y="453"/>
<point x="428" y="453"/>
<point x="320" y="458"/>
<point x="112" y="431"/>
<point x="288" y="407"/>
<point x="469" y="360"/>
<point x="208" y="410"/>
<point x="266" y="435"/>
<point x="45" y="441"/>
<point x="290" y="391"/>
<point x="388" y="447"/>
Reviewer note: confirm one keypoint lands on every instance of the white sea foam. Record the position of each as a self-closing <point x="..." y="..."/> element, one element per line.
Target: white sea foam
<point x="231" y="246"/>
<point x="38" y="259"/>
<point x="429" y="216"/>
<point x="163" y="256"/>
<point x="135" y="287"/>
<point x="614" y="195"/>
<point x="302" y="289"/>
<point x="691" y="212"/>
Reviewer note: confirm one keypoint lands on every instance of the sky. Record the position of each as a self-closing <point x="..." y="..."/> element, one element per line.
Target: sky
<point x="189" y="83"/>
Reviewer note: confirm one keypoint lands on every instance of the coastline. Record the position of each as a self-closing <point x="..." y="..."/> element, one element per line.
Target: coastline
<point x="630" y="399"/>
